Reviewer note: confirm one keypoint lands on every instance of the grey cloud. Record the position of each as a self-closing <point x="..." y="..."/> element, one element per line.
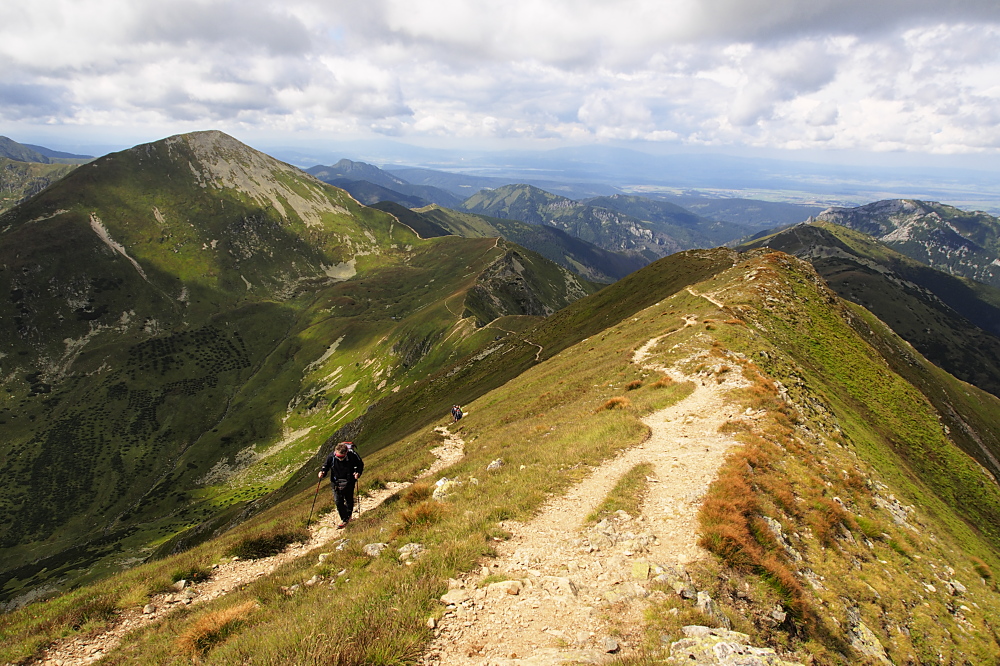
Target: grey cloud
<point x="251" y="26"/>
<point x="20" y="100"/>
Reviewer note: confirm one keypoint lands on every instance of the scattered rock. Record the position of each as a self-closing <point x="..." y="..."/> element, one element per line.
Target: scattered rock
<point x="431" y="623"/>
<point x="495" y="465"/>
<point x="503" y="588"/>
<point x="443" y="487"/>
<point x="179" y="585"/>
<point x="148" y="609"/>
<point x="374" y="549"/>
<point x="705" y="646"/>
<point x="411" y="551"/>
<point x="610" y="645"/>
<point x="323" y="557"/>
<point x="455" y="597"/>
<point x="708" y="607"/>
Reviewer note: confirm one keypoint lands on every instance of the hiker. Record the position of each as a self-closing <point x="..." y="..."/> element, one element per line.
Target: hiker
<point x="345" y="467"/>
<point x="456" y="413"/>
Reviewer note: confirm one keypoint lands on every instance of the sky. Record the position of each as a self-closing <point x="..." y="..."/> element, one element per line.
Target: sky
<point x="911" y="78"/>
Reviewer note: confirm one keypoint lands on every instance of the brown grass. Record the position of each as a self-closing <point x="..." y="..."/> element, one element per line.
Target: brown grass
<point x="618" y="402"/>
<point x="633" y="385"/>
<point x="663" y="382"/>
<point x="211" y="629"/>
<point x="416" y="493"/>
<point x="419" y="515"/>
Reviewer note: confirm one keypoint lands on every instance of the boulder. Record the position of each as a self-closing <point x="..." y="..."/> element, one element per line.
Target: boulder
<point x="705" y="646"/>
<point x="455" y="597"/>
<point x="503" y="588"/>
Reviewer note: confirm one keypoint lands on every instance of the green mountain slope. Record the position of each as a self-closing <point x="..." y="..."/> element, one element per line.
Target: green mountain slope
<point x="581" y="257"/>
<point x="846" y="526"/>
<point x="186" y="321"/>
<point x="941" y="236"/>
<point x="952" y="321"/>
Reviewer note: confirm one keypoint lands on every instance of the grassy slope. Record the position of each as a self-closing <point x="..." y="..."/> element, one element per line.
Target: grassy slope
<point x="850" y="437"/>
<point x="951" y="320"/>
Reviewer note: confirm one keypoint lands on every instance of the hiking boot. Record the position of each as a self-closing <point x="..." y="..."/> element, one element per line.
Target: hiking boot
<point x="343" y="524"/>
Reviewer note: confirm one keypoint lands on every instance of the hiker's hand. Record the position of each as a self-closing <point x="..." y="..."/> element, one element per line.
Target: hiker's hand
<point x="357" y="476"/>
<point x="321" y="475"/>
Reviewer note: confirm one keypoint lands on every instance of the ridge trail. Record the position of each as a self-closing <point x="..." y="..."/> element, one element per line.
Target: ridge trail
<point x="571" y="576"/>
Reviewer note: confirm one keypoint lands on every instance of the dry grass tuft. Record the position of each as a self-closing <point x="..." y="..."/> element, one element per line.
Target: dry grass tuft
<point x="663" y="382"/>
<point x="416" y="493"/>
<point x="633" y="385"/>
<point x="426" y="513"/>
<point x="211" y="629"/>
<point x="618" y="402"/>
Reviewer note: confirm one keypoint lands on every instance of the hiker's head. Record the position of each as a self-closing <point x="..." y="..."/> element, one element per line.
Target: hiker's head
<point x="340" y="451"/>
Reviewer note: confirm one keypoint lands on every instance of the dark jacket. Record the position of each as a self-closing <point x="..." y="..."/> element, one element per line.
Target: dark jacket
<point x="343" y="469"/>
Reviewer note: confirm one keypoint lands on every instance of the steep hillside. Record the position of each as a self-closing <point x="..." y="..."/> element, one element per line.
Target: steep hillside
<point x="20" y="180"/>
<point x="185" y="322"/>
<point x="941" y="236"/>
<point x="952" y="321"/>
<point x="845" y="524"/>
<point x="581" y="257"/>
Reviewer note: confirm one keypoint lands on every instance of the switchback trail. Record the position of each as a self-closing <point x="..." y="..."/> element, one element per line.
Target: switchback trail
<point x="565" y="575"/>
<point x="230" y="575"/>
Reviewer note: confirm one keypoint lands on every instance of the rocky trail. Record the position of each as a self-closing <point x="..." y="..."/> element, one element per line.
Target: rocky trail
<point x="572" y="593"/>
<point x="232" y="574"/>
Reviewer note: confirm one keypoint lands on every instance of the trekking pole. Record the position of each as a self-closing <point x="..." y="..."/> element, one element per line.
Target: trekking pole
<point x="357" y="504"/>
<point x="309" y="520"/>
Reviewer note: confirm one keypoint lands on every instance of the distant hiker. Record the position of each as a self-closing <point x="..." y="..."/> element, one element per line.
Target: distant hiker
<point x="345" y="467"/>
<point x="456" y="413"/>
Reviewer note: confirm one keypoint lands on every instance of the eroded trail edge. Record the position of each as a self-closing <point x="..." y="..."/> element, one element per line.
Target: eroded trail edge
<point x="565" y="580"/>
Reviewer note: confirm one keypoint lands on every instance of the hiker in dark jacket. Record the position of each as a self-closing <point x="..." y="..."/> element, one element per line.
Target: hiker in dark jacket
<point x="345" y="467"/>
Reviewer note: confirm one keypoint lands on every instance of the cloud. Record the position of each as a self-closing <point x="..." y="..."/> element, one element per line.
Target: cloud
<point x="879" y="74"/>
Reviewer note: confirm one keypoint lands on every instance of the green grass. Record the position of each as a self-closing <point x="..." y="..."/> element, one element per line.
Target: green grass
<point x="627" y="495"/>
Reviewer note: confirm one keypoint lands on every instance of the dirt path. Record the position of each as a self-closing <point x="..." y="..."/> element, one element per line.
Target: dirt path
<point x="230" y="575"/>
<point x="568" y="576"/>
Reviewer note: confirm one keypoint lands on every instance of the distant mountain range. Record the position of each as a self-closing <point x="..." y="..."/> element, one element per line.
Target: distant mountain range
<point x="25" y="152"/>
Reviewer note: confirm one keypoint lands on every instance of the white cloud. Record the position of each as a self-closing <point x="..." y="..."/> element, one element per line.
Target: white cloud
<point x="879" y="74"/>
